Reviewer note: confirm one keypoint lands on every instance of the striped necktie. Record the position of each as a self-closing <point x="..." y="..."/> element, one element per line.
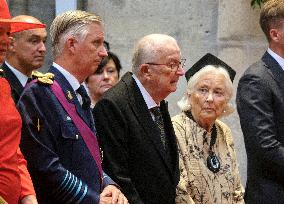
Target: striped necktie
<point x="160" y="123"/>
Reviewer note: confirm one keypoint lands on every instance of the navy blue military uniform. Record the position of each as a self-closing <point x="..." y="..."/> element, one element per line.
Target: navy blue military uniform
<point x="61" y="166"/>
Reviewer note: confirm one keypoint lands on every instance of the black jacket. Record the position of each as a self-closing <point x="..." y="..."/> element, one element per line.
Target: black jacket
<point x="133" y="153"/>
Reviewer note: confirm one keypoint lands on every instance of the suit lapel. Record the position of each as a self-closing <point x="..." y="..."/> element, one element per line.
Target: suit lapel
<point x="69" y="93"/>
<point x="143" y="115"/>
<point x="14" y="82"/>
<point x="276" y="70"/>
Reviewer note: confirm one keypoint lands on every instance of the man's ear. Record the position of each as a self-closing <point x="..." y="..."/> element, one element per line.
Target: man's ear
<point x="144" y="70"/>
<point x="274" y="35"/>
<point x="71" y="44"/>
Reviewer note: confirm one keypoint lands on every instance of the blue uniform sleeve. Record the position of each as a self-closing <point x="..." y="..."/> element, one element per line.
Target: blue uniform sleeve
<point x="108" y="181"/>
<point x="52" y="179"/>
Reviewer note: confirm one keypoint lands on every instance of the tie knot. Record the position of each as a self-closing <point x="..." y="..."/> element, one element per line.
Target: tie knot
<point x="82" y="91"/>
<point x="29" y="80"/>
<point x="85" y="97"/>
<point x="156" y="111"/>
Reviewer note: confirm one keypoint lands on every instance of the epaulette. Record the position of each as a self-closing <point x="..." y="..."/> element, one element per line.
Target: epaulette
<point x="45" y="79"/>
<point x="1" y="73"/>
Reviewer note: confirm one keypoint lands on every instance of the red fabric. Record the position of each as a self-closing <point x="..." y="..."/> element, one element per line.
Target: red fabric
<point x="10" y="131"/>
<point x="20" y="26"/>
<point x="16" y="26"/>
<point x="4" y="11"/>
<point x="27" y="187"/>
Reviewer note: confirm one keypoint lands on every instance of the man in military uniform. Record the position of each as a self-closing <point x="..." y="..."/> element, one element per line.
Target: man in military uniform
<point x="25" y="54"/>
<point x="58" y="138"/>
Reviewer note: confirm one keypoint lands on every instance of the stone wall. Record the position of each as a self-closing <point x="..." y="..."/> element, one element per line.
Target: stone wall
<point x="227" y="28"/>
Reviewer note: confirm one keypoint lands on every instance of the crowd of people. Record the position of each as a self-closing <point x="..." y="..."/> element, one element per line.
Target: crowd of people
<point x="80" y="134"/>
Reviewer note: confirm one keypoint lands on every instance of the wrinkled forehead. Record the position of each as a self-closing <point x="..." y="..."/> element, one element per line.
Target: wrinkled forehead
<point x="169" y="51"/>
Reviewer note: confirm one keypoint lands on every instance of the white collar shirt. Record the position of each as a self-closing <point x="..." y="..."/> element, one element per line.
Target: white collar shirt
<point x="146" y="96"/>
<point x="70" y="78"/>
<point x="279" y="59"/>
<point x="20" y="76"/>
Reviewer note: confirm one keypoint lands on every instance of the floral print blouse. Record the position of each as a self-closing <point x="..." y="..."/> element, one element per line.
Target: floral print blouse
<point x="199" y="185"/>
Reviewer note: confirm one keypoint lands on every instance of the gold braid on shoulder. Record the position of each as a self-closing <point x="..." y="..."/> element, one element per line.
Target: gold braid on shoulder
<point x="45" y="79"/>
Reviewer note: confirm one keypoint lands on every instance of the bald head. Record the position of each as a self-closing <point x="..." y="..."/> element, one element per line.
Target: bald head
<point x="27" y="49"/>
<point x="27" y="19"/>
<point x="150" y="48"/>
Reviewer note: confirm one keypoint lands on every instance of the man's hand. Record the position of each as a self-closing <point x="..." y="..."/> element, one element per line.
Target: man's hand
<point x="112" y="195"/>
<point x="29" y="199"/>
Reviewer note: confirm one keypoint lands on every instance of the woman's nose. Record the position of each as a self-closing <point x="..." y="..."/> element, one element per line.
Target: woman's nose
<point x="209" y="97"/>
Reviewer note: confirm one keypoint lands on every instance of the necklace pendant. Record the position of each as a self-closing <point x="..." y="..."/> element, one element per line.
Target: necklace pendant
<point x="213" y="163"/>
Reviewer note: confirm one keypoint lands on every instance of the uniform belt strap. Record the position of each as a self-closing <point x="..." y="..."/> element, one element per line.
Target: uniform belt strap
<point x="87" y="134"/>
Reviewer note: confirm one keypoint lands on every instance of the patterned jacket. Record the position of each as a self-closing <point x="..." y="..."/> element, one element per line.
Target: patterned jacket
<point x="198" y="185"/>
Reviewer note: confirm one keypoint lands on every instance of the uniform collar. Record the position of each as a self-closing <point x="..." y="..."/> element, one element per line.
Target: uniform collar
<point x="68" y="76"/>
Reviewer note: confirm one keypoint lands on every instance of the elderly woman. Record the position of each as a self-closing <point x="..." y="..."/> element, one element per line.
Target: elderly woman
<point x="106" y="76"/>
<point x="208" y="166"/>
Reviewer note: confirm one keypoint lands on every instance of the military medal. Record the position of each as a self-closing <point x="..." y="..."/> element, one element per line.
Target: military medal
<point x="69" y="95"/>
<point x="213" y="163"/>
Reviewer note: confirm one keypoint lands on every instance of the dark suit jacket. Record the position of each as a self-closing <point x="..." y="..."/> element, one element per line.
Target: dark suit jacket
<point x="16" y="86"/>
<point x="133" y="152"/>
<point x="59" y="161"/>
<point x="260" y="103"/>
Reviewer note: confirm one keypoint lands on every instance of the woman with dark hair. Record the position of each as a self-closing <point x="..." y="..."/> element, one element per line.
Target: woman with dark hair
<point x="105" y="77"/>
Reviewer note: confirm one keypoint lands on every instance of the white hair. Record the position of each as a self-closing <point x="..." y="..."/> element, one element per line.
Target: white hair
<point x="184" y="103"/>
<point x="149" y="48"/>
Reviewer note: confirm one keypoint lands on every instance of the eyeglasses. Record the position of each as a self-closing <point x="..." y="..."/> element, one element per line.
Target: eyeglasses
<point x="174" y="66"/>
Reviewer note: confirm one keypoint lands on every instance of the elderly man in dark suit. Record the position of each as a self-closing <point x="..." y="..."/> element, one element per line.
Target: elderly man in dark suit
<point x="260" y="102"/>
<point x="134" y="126"/>
<point x="58" y="138"/>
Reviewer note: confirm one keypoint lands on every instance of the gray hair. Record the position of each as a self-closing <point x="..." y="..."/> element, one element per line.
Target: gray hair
<point x="184" y="104"/>
<point x="70" y="23"/>
<point x="149" y="48"/>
